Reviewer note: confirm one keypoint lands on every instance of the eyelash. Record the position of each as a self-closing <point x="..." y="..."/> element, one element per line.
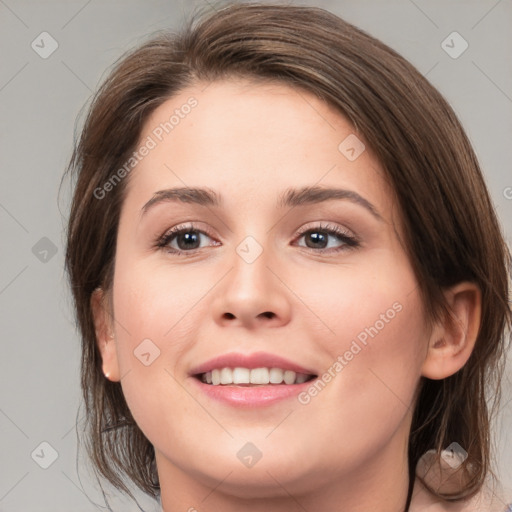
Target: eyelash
<point x="350" y="242"/>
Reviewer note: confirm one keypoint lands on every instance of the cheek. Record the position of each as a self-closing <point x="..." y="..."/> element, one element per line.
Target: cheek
<point x="370" y="383"/>
<point x="376" y="351"/>
<point x="156" y="303"/>
<point x="387" y="327"/>
<point x="373" y="311"/>
<point x="154" y="313"/>
<point x="384" y="354"/>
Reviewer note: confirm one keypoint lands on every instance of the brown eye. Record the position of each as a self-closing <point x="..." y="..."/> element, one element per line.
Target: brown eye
<point x="182" y="239"/>
<point x="319" y="238"/>
<point x="186" y="239"/>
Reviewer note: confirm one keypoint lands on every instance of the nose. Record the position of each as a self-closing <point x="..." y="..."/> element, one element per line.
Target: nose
<point x="253" y="292"/>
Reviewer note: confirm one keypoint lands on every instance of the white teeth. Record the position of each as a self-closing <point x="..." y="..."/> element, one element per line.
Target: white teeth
<point x="260" y="376"/>
<point x="257" y="376"/>
<point x="289" y="377"/>
<point x="241" y="376"/>
<point x="226" y="376"/>
<point x="276" y="376"/>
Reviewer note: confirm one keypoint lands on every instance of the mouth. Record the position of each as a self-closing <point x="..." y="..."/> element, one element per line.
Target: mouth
<point x="258" y="379"/>
<point x="253" y="377"/>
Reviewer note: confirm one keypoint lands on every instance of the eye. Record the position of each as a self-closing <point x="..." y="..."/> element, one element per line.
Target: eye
<point x="186" y="238"/>
<point x="318" y="238"/>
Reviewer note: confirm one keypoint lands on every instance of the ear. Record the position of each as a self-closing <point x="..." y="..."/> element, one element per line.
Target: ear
<point x="105" y="338"/>
<point x="452" y="341"/>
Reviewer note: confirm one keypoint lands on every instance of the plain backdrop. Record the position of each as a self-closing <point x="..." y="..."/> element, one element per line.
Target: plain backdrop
<point x="40" y="99"/>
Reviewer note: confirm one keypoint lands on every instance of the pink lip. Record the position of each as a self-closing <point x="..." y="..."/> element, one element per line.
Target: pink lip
<point x="251" y="396"/>
<point x="251" y="361"/>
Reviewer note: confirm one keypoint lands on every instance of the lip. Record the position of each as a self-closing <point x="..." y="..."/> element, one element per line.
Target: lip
<point x="249" y="397"/>
<point x="250" y="361"/>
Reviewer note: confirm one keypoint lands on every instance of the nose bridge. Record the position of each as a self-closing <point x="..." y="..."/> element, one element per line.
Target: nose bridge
<point x="251" y="290"/>
<point x="250" y="276"/>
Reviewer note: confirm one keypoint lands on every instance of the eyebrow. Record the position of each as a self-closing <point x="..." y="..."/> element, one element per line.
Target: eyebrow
<point x="290" y="198"/>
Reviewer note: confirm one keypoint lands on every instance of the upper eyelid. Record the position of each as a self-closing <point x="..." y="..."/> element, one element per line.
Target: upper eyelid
<point x="325" y="226"/>
<point x="320" y="226"/>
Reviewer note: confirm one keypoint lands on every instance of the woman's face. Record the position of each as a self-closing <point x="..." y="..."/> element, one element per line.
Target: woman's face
<point x="262" y="272"/>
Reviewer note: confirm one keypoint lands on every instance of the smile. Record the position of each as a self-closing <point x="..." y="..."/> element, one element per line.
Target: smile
<point x="253" y="377"/>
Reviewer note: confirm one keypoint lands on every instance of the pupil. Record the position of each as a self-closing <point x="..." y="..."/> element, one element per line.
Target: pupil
<point x="316" y="237"/>
<point x="188" y="238"/>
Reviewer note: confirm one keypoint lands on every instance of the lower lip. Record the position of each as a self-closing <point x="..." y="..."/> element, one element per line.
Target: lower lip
<point x="252" y="396"/>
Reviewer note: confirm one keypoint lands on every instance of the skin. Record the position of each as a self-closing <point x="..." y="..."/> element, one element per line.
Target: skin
<point x="249" y="142"/>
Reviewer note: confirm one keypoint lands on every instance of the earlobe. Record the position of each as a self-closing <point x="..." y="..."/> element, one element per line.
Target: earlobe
<point x="105" y="339"/>
<point x="453" y="340"/>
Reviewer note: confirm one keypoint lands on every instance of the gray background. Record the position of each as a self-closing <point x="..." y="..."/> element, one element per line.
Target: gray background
<point x="39" y="102"/>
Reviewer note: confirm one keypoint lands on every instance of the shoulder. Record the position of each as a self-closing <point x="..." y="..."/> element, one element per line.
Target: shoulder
<point x="438" y="473"/>
<point x="484" y="501"/>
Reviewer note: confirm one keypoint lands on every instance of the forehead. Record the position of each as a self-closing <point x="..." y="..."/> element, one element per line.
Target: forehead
<point x="252" y="139"/>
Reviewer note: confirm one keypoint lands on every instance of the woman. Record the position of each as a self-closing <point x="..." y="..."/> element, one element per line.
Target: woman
<point x="289" y="278"/>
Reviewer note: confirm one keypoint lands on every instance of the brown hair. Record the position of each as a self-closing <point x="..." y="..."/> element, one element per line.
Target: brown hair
<point x="451" y="232"/>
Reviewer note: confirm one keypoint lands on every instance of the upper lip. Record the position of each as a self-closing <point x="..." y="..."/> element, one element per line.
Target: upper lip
<point x="255" y="360"/>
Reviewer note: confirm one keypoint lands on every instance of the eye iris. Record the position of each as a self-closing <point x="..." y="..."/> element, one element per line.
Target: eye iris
<point x="188" y="237"/>
<point x="316" y="237"/>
